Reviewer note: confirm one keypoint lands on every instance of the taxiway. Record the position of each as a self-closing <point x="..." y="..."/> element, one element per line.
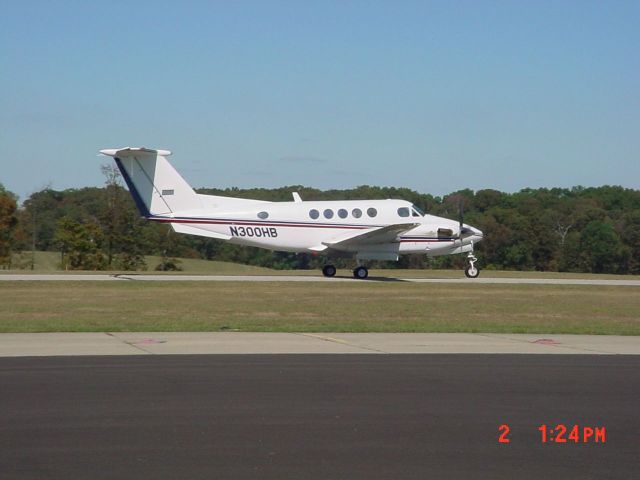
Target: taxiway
<point x="316" y="416"/>
<point x="184" y="343"/>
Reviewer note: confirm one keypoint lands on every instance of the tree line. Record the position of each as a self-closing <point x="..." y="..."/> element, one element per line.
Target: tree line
<point x="575" y="229"/>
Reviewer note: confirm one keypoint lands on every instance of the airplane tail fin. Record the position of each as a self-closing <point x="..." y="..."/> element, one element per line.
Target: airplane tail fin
<point x="157" y="188"/>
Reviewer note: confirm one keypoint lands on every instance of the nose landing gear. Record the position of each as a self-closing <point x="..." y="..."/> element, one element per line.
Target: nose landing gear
<point x="471" y="271"/>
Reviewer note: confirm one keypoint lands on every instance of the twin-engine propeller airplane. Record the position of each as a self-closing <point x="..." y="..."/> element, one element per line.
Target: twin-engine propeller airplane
<point x="364" y="229"/>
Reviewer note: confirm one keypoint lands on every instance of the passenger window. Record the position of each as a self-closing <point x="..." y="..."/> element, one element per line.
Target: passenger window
<point x="372" y="212"/>
<point x="263" y="215"/>
<point x="356" y="212"/>
<point x="403" y="212"/>
<point x="328" y="213"/>
<point x="314" y="214"/>
<point x="342" y="213"/>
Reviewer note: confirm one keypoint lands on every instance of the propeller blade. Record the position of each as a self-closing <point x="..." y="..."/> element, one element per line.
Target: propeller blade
<point x="460" y="217"/>
<point x="463" y="231"/>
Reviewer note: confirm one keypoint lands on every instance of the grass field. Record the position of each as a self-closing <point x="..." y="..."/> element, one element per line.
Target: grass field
<point x="317" y="307"/>
<point x="49" y="262"/>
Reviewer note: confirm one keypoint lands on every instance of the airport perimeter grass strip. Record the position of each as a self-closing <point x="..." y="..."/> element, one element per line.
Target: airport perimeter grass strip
<point x="49" y="262"/>
<point x="317" y="307"/>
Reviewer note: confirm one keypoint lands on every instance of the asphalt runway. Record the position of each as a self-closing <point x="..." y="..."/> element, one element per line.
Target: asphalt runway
<point x="316" y="416"/>
<point x="309" y="278"/>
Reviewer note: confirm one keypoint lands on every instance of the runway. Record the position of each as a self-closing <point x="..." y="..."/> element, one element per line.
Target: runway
<point x="316" y="416"/>
<point x="308" y="278"/>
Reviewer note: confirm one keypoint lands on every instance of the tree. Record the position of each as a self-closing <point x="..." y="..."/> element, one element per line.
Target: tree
<point x="8" y="222"/>
<point x="131" y="254"/>
<point x="42" y="210"/>
<point x="631" y="237"/>
<point x="80" y="245"/>
<point x="113" y="207"/>
<point x="602" y="250"/>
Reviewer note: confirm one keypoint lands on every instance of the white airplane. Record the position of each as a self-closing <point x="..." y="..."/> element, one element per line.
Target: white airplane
<point x="364" y="229"/>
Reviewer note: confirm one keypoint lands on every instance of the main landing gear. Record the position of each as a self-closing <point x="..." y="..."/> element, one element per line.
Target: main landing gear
<point x="329" y="270"/>
<point x="471" y="271"/>
<point x="359" y="272"/>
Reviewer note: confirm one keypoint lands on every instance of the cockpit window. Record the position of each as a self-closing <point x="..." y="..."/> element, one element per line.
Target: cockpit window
<point x="416" y="212"/>
<point x="403" y="211"/>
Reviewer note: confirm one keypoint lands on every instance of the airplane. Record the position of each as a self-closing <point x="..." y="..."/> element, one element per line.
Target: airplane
<point x="364" y="229"/>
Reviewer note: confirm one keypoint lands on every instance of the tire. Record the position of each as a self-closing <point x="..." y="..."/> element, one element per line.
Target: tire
<point x="472" y="271"/>
<point x="329" y="270"/>
<point x="360" y="273"/>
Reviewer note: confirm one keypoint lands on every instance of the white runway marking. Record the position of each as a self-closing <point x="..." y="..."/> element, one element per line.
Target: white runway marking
<point x="301" y="278"/>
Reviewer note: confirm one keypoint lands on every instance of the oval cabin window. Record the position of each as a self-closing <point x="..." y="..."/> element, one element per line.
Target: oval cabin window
<point x="328" y="213"/>
<point x="356" y="212"/>
<point x="314" y="214"/>
<point x="342" y="213"/>
<point x="263" y="215"/>
<point x="372" y="212"/>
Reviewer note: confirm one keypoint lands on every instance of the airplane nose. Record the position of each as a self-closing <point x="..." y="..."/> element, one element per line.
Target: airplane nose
<point x="470" y="231"/>
<point x="477" y="234"/>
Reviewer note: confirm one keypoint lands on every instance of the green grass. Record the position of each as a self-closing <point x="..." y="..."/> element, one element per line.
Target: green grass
<point x="49" y="262"/>
<point x="197" y="266"/>
<point x="42" y="261"/>
<point x="317" y="307"/>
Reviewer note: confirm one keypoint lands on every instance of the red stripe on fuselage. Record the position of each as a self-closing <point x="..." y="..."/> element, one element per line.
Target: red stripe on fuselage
<point x="258" y="224"/>
<point x="404" y="240"/>
<point x="290" y="225"/>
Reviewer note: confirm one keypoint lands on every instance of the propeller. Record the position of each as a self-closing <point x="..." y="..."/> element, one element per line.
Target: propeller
<point x="463" y="231"/>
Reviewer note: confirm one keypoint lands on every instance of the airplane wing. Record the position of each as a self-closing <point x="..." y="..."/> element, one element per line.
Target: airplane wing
<point x="388" y="234"/>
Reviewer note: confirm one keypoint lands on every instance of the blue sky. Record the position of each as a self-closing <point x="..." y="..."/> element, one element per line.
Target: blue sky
<point x="435" y="96"/>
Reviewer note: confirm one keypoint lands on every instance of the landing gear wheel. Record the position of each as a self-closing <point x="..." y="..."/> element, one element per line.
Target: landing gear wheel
<point x="472" y="271"/>
<point x="360" y="273"/>
<point x="329" y="270"/>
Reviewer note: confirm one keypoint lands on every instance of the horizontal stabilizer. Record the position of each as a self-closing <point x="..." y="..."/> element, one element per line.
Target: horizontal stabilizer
<point x="181" y="228"/>
<point x="126" y="151"/>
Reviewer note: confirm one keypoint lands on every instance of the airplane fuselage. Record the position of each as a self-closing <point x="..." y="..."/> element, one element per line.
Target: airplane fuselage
<point x="307" y="226"/>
